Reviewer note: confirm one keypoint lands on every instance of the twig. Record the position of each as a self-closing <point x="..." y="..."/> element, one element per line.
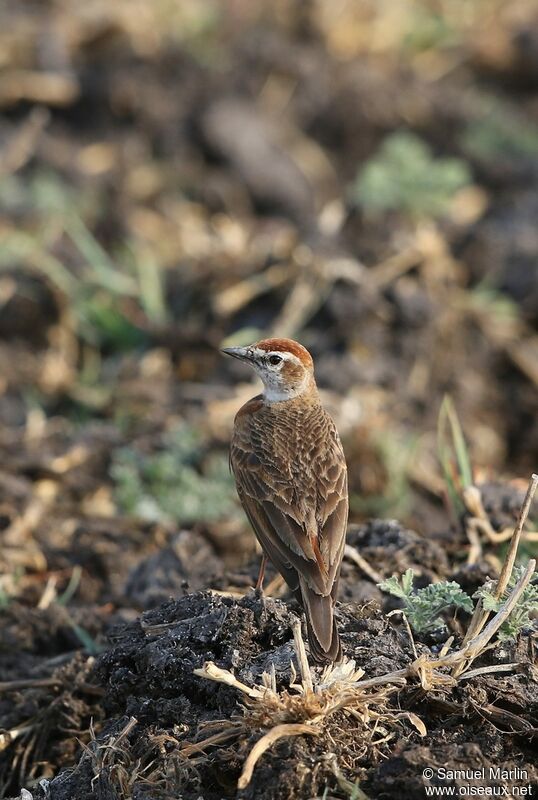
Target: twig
<point x="131" y="723"/>
<point x="474" y="647"/>
<point x="446" y="647"/>
<point x="504" y="717"/>
<point x="13" y="686"/>
<point x="353" y="555"/>
<point x="275" y="586"/>
<point x="21" y="147"/>
<point x="398" y="677"/>
<point x="231" y="300"/>
<point x="301" y="656"/>
<point x="190" y="748"/>
<point x="211" y="672"/>
<point x="407" y="627"/>
<point x="472" y="526"/>
<point x="385" y="272"/>
<point x="49" y="593"/>
<point x="479" y="522"/>
<point x="477" y="622"/>
<point x="7" y="737"/>
<point x="479" y="618"/>
<point x="514" y="544"/>
<point x="46" y="87"/>
<point x="263" y="744"/>
<point x="472" y="673"/>
<point x="477" y="645"/>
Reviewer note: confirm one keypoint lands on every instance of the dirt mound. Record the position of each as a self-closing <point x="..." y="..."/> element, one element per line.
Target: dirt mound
<point x="160" y="717"/>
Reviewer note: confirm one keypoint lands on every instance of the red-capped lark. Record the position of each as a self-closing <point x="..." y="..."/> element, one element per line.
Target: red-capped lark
<point x="291" y="478"/>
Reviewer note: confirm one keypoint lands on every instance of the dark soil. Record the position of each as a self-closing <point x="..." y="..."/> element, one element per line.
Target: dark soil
<point x="145" y="675"/>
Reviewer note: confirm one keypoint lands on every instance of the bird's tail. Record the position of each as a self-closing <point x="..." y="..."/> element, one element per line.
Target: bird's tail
<point x="321" y="625"/>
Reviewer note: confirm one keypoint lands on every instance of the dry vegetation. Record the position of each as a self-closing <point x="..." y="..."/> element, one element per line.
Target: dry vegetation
<point x="179" y="174"/>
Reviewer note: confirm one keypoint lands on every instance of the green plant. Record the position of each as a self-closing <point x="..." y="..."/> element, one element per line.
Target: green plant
<point x="103" y="324"/>
<point x="429" y="30"/>
<point x="405" y="176"/>
<point x="453" y="454"/>
<point x="176" y="484"/>
<point x="395" y="451"/>
<point x="9" y="583"/>
<point x="108" y="294"/>
<point x="525" y="609"/>
<point x="486" y="299"/>
<point x="422" y="607"/>
<point x="500" y="133"/>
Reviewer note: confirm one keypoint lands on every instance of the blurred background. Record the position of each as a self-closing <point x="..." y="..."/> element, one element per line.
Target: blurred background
<point x="181" y="175"/>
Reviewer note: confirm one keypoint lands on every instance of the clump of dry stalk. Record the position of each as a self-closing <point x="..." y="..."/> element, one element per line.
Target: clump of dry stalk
<point x="306" y="707"/>
<point x="113" y="757"/>
<point x="117" y="764"/>
<point x="478" y="525"/>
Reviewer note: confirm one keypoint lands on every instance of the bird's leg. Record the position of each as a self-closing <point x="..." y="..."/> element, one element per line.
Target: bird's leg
<point x="259" y="583"/>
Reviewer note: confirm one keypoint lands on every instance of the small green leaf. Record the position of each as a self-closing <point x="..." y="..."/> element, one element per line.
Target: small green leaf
<point x="392" y="586"/>
<point x="407" y="581"/>
<point x="490" y="603"/>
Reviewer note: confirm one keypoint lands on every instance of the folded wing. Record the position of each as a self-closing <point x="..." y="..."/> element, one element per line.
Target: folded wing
<point x="299" y="517"/>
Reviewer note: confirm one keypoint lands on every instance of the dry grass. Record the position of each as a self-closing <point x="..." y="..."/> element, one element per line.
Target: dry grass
<point x="308" y="707"/>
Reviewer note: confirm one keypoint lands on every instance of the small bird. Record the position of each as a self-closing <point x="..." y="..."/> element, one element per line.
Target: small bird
<point x="291" y="477"/>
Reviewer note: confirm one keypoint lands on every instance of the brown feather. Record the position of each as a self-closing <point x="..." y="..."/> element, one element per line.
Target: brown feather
<point x="291" y="476"/>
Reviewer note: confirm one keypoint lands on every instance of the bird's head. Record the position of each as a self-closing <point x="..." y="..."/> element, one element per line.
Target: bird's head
<point x="285" y="367"/>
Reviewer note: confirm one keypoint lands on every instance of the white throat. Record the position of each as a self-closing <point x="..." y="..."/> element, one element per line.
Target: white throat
<point x="275" y="393"/>
<point x="276" y="396"/>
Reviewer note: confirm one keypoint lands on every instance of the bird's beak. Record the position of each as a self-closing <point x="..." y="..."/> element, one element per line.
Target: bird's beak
<point x="242" y="353"/>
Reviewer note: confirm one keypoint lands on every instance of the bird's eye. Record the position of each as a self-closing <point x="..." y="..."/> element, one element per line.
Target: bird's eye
<point x="274" y="360"/>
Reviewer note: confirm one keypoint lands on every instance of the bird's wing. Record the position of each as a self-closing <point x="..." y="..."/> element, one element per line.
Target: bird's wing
<point x="332" y="500"/>
<point x="282" y="518"/>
